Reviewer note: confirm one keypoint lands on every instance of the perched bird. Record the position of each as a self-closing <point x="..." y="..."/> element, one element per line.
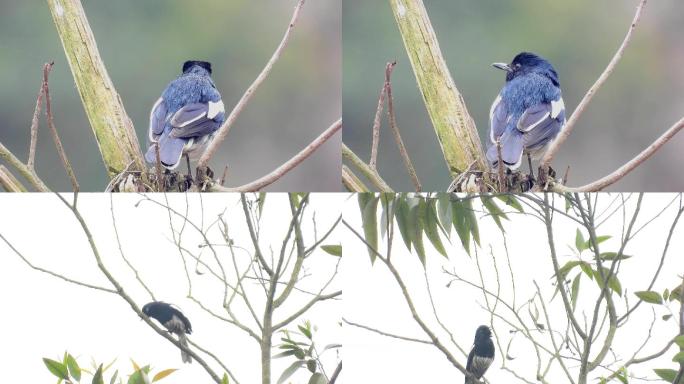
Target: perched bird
<point x="185" y="118"/>
<point x="528" y="113"/>
<point x="173" y="320"/>
<point x="482" y="354"/>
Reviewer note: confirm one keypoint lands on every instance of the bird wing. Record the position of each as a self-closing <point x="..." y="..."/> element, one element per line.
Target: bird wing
<point x="158" y="116"/>
<point x="512" y="143"/>
<point x="498" y="118"/>
<point x="197" y="119"/>
<point x="187" y="327"/>
<point x="541" y="123"/>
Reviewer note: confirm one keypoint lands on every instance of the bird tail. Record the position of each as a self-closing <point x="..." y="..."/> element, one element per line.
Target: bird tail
<point x="184" y="342"/>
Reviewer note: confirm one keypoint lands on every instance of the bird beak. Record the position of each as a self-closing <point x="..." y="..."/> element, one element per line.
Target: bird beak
<point x="503" y="66"/>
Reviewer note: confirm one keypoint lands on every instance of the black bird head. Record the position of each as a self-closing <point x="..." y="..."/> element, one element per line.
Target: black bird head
<point x="482" y="334"/>
<point x="189" y="66"/>
<point x="526" y="62"/>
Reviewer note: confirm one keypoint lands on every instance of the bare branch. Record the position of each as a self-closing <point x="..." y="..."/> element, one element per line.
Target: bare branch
<point x="352" y="182"/>
<point x="621" y="172"/>
<point x="287" y="166"/>
<point x="9" y="182"/>
<point x="367" y="171"/>
<point x="569" y="126"/>
<point x="379" y="332"/>
<point x="376" y="127"/>
<point x="26" y="172"/>
<point x="225" y="128"/>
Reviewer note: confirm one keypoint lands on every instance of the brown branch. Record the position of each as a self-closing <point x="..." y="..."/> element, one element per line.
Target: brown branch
<point x="379" y="332"/>
<point x="627" y="167"/>
<point x="335" y="374"/>
<point x="225" y="128"/>
<point x="563" y="135"/>
<point x="34" y="129"/>
<point x="53" y="130"/>
<point x="395" y="130"/>
<point x="376" y="126"/>
<point x="286" y="167"/>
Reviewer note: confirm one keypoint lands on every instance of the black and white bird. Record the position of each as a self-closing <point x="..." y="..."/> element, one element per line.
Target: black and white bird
<point x="173" y="320"/>
<point x="186" y="117"/>
<point x="482" y="354"/>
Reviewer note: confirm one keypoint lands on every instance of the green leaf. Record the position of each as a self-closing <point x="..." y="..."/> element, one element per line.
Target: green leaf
<point x="679" y="357"/>
<point x="97" y="378"/>
<point x="471" y="220"/>
<point x="137" y="377"/>
<point x="667" y="317"/>
<point x="666" y="374"/>
<point x="458" y="215"/>
<point x="431" y="231"/>
<point x="609" y="256"/>
<point x="679" y="340"/>
<point x="574" y="291"/>
<point x="666" y="294"/>
<point x="649" y="297"/>
<point x="284" y="354"/>
<point x="494" y="210"/>
<point x="613" y="281"/>
<point x="311" y="366"/>
<point x="386" y="200"/>
<point x="224" y="380"/>
<point x="56" y="368"/>
<point x="335" y="250"/>
<point x="306" y="331"/>
<point x="444" y="212"/>
<point x="567" y="267"/>
<point x="402" y="215"/>
<point x="418" y="212"/>
<point x="74" y="369"/>
<point x="599" y="240"/>
<point x="262" y="200"/>
<point x="289" y="371"/>
<point x="586" y="268"/>
<point x="676" y="293"/>
<point x="162" y="374"/>
<point x="580" y="243"/>
<point x="317" y="378"/>
<point x="511" y="201"/>
<point x="369" y="204"/>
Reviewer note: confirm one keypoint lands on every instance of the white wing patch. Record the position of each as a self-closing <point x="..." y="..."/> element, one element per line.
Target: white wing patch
<point x="557" y="106"/>
<point x="149" y="130"/>
<point x="491" y="117"/>
<point x="215" y="108"/>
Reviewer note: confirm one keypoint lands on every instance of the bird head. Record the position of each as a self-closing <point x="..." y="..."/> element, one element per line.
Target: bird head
<point x="197" y="67"/>
<point x="526" y="62"/>
<point x="483" y="333"/>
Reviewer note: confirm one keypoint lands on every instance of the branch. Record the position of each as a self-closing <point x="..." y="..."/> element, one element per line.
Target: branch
<point x="627" y="167"/>
<point x="28" y="173"/>
<point x="352" y="182"/>
<point x="367" y="171"/>
<point x="386" y="334"/>
<point x="451" y="121"/>
<point x="225" y="128"/>
<point x="569" y="126"/>
<point x="113" y="129"/>
<point x="680" y="374"/>
<point x="287" y="166"/>
<point x="395" y="129"/>
<point x="335" y="374"/>
<point x="53" y="130"/>
<point x="9" y="182"/>
<point x="305" y="308"/>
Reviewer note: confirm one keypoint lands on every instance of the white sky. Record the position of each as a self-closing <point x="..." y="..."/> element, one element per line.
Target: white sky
<point x="373" y="298"/>
<point x="43" y="316"/>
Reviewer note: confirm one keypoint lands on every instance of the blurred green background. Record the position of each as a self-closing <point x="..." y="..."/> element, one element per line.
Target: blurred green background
<point x="642" y="98"/>
<point x="143" y="45"/>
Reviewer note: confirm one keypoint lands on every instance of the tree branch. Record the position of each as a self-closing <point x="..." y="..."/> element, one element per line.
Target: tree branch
<point x="225" y="128"/>
<point x="367" y="171"/>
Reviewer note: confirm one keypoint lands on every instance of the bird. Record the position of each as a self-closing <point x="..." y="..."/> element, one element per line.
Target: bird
<point x="173" y="320"/>
<point x="482" y="354"/>
<point x="527" y="114"/>
<point x="184" y="120"/>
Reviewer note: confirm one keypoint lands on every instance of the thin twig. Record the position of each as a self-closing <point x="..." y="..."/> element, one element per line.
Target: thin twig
<point x="563" y="135"/>
<point x="286" y="167"/>
<point x="367" y="171"/>
<point x="376" y="127"/>
<point x="53" y="130"/>
<point x="379" y="332"/>
<point x="395" y="130"/>
<point x="34" y="129"/>
<point x="627" y="167"/>
<point x="335" y="374"/>
<point x="157" y="166"/>
<point x="225" y="128"/>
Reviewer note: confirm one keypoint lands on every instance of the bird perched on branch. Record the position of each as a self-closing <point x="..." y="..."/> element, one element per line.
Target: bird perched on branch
<point x="482" y="354"/>
<point x="185" y="118"/>
<point x="173" y="320"/>
<point x="527" y="114"/>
